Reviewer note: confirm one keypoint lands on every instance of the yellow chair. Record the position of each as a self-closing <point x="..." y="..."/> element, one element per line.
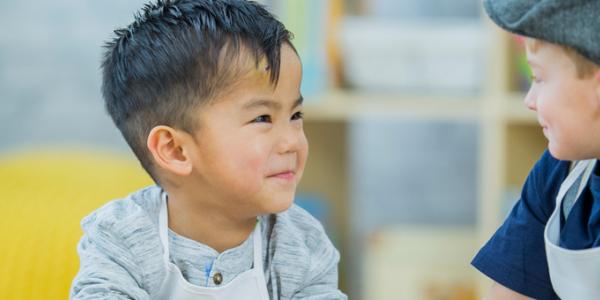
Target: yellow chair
<point x="43" y="197"/>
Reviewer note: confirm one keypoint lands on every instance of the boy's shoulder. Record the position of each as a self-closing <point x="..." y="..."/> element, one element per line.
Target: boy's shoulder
<point x="301" y="241"/>
<point x="549" y="164"/>
<point x="300" y="224"/>
<point x="122" y="216"/>
<point x="302" y="256"/>
<point x="122" y="236"/>
<point x="548" y="173"/>
<point x="543" y="183"/>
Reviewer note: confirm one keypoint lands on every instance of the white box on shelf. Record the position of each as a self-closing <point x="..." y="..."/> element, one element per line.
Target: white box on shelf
<point x="433" y="56"/>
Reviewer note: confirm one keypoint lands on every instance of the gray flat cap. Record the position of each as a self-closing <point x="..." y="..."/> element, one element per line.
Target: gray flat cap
<point x="574" y="23"/>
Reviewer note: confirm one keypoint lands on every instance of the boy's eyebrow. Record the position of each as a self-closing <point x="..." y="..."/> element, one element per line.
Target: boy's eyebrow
<point x="298" y="102"/>
<point x="262" y="102"/>
<point x="270" y="103"/>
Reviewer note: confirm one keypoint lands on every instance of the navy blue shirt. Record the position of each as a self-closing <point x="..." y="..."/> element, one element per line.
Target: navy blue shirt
<point x="515" y="255"/>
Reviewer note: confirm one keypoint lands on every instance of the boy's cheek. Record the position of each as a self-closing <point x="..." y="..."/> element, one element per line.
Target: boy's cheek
<point x="302" y="159"/>
<point x="244" y="181"/>
<point x="254" y="162"/>
<point x="304" y="154"/>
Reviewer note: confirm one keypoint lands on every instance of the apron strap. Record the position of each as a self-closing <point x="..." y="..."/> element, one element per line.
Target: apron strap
<point x="163" y="227"/>
<point x="257" y="240"/>
<point x="570" y="198"/>
<point x="578" y="186"/>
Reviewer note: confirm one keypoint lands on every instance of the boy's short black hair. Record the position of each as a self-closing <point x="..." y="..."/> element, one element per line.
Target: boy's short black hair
<point x="178" y="55"/>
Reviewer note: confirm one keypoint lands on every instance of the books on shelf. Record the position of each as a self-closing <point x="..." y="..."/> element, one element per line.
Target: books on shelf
<point x="310" y="22"/>
<point x="420" y="9"/>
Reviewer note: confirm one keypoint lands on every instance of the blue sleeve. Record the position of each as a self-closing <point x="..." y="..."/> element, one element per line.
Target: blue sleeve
<point x="515" y="256"/>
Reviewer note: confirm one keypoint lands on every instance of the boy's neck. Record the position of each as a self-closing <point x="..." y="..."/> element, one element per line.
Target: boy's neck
<point x="213" y="227"/>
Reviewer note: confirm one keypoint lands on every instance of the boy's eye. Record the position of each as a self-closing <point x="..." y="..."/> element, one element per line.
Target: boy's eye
<point x="535" y="79"/>
<point x="297" y="116"/>
<point x="262" y="119"/>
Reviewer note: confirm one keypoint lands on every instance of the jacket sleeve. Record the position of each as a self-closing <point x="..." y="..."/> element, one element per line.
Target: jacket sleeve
<point x="107" y="268"/>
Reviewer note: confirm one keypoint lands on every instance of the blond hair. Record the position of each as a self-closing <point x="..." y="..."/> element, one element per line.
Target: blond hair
<point x="584" y="67"/>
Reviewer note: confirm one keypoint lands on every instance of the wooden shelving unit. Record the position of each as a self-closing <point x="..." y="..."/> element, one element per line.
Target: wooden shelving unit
<point x="509" y="136"/>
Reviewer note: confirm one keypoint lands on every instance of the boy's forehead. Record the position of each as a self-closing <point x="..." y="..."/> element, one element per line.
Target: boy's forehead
<point x="549" y="57"/>
<point x="532" y="53"/>
<point x="258" y="74"/>
<point x="252" y="78"/>
<point x="249" y="81"/>
<point x="243" y="74"/>
<point x="537" y="51"/>
<point x="248" y="69"/>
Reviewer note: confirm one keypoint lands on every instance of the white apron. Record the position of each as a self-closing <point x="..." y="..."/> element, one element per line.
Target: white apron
<point x="249" y="285"/>
<point x="575" y="274"/>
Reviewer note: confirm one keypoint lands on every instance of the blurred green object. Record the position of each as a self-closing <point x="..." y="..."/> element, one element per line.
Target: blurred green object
<point x="45" y="194"/>
<point x="523" y="70"/>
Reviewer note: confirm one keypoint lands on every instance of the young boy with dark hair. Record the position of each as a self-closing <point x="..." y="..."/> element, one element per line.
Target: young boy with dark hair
<point x="207" y="94"/>
<point x="548" y="247"/>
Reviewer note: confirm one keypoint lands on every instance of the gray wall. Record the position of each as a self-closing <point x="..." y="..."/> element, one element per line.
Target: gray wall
<point x="49" y="71"/>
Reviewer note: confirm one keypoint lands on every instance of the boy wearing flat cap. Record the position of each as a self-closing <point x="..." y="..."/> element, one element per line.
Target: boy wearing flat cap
<point x="548" y="247"/>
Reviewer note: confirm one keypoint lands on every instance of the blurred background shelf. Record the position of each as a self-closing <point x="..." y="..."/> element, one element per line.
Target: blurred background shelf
<point x="407" y="263"/>
<point x="396" y="130"/>
<point x="343" y="105"/>
<point x="515" y="111"/>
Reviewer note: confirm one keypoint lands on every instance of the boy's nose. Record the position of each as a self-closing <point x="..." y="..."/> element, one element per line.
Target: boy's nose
<point x="289" y="141"/>
<point x="531" y="100"/>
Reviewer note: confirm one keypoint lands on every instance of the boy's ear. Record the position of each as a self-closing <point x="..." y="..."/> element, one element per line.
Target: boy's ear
<point x="167" y="148"/>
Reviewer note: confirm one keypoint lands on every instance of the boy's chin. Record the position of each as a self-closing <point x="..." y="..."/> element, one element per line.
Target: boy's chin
<point x="279" y="205"/>
<point x="557" y="152"/>
<point x="566" y="154"/>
